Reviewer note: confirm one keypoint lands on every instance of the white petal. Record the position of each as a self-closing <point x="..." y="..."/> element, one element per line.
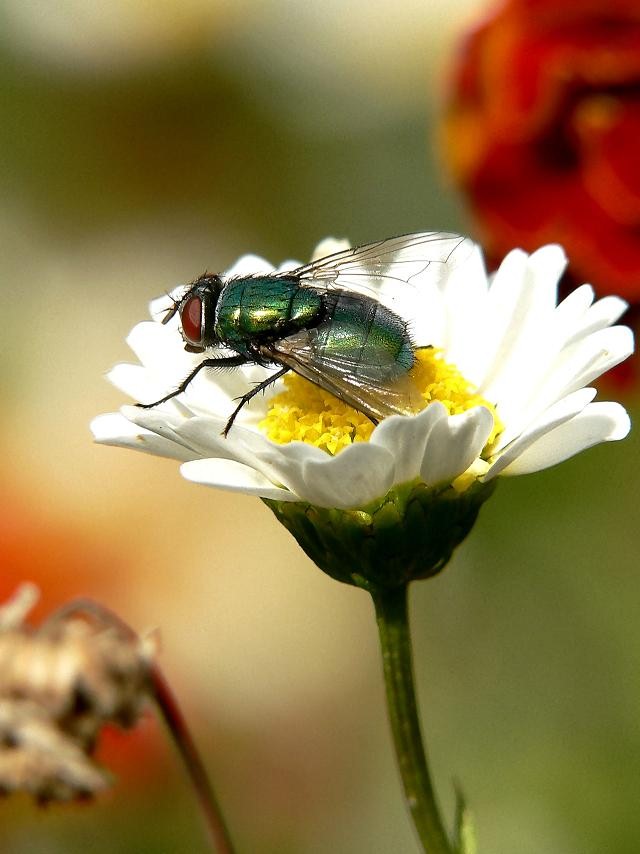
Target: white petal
<point x="574" y="306"/>
<point x="235" y="477"/>
<point x="598" y="422"/>
<point x="521" y="299"/>
<point x="150" y="341"/>
<point x="431" y="307"/>
<point x="546" y="266"/>
<point x="247" y="265"/>
<point x="280" y="464"/>
<point x="205" y="433"/>
<point x="503" y="320"/>
<point x="329" y="246"/>
<point x="586" y="360"/>
<point x="354" y="477"/>
<point x="454" y="443"/>
<point x="203" y="437"/>
<point x="289" y="264"/>
<point x="465" y="294"/>
<point x="153" y="419"/>
<point x="406" y="439"/>
<point x="563" y="410"/>
<point x="429" y="319"/>
<point x="114" y="429"/>
<point x="161" y="351"/>
<point x="212" y="392"/>
<point x="165" y="421"/>
<point x="527" y="393"/>
<point x="603" y="313"/>
<point x="135" y="381"/>
<point x="508" y="300"/>
<point x="572" y="369"/>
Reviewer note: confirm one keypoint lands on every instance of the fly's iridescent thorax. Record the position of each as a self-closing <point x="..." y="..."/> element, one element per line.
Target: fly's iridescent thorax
<point x="262" y="309"/>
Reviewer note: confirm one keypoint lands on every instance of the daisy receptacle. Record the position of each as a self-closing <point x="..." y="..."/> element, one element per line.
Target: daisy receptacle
<point x="378" y="489"/>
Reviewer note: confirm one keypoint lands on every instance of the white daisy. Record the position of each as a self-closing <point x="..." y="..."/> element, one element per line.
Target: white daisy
<point x="506" y="386"/>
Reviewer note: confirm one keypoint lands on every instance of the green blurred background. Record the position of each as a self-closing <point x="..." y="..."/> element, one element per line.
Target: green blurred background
<point x="141" y="143"/>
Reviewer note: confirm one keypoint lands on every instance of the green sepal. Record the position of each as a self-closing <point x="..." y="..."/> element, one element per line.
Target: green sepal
<point x="410" y="533"/>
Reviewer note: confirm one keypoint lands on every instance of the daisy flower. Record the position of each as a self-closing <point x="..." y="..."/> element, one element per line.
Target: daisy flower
<point x="505" y="384"/>
<point x="500" y="386"/>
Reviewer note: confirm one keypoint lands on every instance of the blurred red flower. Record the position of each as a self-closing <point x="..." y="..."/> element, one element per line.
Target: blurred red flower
<point x="542" y="132"/>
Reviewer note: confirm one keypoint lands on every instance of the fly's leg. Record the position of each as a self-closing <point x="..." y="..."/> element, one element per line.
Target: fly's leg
<point x="220" y="362"/>
<point x="247" y="397"/>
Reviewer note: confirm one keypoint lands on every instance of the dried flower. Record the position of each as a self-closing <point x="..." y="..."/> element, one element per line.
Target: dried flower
<point x="60" y="684"/>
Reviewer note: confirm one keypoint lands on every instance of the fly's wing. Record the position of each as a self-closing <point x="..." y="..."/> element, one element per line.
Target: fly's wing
<point x="406" y="274"/>
<point x="375" y="389"/>
<point x="391" y="270"/>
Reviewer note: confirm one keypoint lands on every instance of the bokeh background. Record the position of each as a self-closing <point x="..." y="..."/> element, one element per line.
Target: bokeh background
<point x="140" y="144"/>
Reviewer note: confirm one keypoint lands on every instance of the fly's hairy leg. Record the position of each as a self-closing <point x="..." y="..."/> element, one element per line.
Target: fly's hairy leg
<point x="220" y="362"/>
<point x="247" y="397"/>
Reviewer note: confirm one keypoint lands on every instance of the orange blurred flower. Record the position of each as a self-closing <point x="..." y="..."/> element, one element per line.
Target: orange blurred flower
<point x="542" y="132"/>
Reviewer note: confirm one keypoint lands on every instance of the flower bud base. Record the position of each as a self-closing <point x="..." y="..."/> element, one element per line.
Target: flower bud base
<point x="408" y="534"/>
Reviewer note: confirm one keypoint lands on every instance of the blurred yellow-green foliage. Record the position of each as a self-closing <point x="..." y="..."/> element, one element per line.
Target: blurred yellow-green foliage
<point x="141" y="143"/>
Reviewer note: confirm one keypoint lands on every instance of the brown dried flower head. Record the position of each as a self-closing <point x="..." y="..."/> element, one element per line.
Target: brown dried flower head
<point x="59" y="684"/>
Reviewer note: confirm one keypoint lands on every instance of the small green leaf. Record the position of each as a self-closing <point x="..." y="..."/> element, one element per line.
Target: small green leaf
<point x="465" y="837"/>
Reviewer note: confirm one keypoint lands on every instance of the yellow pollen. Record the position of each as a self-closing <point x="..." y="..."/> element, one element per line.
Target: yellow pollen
<point x="307" y="413"/>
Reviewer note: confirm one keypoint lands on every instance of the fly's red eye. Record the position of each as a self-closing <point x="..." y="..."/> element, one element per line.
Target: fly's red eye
<point x="191" y="317"/>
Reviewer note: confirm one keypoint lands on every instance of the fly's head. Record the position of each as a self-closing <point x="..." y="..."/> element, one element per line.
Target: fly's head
<point x="196" y="309"/>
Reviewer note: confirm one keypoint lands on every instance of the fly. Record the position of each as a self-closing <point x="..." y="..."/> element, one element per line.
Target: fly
<point x="342" y="321"/>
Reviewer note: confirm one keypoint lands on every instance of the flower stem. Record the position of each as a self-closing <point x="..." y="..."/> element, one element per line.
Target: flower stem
<point x="177" y="726"/>
<point x="397" y="663"/>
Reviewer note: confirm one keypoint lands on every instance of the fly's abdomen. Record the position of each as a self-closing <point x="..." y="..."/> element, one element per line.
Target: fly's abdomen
<point x="261" y="309"/>
<point x="366" y="336"/>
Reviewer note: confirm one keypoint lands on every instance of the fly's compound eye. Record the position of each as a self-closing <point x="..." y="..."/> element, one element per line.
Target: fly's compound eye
<point x="191" y="318"/>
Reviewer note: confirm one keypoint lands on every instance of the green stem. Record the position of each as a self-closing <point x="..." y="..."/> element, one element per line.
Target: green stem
<point x="395" y="642"/>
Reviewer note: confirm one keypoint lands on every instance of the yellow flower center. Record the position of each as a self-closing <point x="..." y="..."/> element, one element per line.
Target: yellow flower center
<point x="307" y="413"/>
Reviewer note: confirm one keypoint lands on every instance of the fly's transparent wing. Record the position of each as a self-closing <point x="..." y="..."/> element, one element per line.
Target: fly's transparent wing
<point x="399" y="264"/>
<point x="407" y="275"/>
<point x="378" y="388"/>
<point x="410" y="274"/>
